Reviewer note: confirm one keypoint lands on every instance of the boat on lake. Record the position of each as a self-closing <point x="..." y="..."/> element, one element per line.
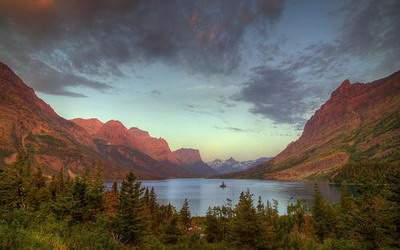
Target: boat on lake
<point x="222" y="185"/>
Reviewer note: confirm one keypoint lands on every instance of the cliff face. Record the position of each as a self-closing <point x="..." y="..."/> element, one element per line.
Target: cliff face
<point x="187" y="156"/>
<point x="360" y="122"/>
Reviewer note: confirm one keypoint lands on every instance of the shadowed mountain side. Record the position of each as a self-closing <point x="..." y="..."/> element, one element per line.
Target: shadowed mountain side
<point x="360" y="122"/>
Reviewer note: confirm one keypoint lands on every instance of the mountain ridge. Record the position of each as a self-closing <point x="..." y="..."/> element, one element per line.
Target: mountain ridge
<point x="231" y="165"/>
<point x="27" y="122"/>
<point x="360" y="122"/>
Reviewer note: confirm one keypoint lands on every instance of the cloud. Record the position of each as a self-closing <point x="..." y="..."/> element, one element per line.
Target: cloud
<point x="155" y="92"/>
<point x="235" y="129"/>
<point x="95" y="38"/>
<point x="277" y="95"/>
<point x="368" y="36"/>
<point x="366" y="46"/>
<point x="225" y="101"/>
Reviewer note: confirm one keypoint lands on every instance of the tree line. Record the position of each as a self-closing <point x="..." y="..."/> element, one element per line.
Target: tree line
<point x="59" y="212"/>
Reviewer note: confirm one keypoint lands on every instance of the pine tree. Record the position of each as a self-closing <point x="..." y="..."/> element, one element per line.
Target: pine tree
<point x="15" y="185"/>
<point x="39" y="191"/>
<point x="345" y="223"/>
<point x="184" y="216"/>
<point x="245" y="227"/>
<point x="111" y="200"/>
<point x="172" y="233"/>
<point x="95" y="193"/>
<point x="212" y="227"/>
<point x="323" y="216"/>
<point x="154" y="211"/>
<point x="79" y="210"/>
<point x="130" y="225"/>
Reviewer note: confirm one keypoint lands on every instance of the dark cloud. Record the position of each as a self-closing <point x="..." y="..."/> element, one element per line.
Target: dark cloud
<point x="96" y="37"/>
<point x="369" y="35"/>
<point x="367" y="46"/>
<point x="277" y="95"/>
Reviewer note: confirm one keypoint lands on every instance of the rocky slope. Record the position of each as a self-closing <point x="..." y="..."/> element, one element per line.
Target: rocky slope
<point x="191" y="159"/>
<point x="113" y="137"/>
<point x="27" y="123"/>
<point x="360" y="122"/>
<point x="231" y="165"/>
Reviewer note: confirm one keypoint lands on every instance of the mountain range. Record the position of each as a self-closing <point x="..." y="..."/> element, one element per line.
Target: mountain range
<point x="27" y="123"/>
<point x="231" y="165"/>
<point x="359" y="123"/>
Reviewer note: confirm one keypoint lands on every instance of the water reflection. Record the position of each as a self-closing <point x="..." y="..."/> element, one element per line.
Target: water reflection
<point x="203" y="193"/>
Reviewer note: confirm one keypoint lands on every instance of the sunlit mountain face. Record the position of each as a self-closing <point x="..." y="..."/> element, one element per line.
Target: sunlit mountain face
<point x="230" y="78"/>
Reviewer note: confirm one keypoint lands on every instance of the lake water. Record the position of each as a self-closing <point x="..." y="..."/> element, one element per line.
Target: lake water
<point x="203" y="193"/>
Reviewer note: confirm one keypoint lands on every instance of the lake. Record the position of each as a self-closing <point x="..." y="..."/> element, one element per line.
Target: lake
<point x="203" y="193"/>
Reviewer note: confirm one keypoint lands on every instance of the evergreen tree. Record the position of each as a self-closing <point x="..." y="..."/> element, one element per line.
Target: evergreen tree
<point x="323" y="216"/>
<point x="15" y="185"/>
<point x="130" y="225"/>
<point x="111" y="200"/>
<point x="184" y="216"/>
<point x="95" y="193"/>
<point x="39" y="191"/>
<point x="296" y="213"/>
<point x="212" y="227"/>
<point x="245" y="227"/>
<point x="154" y="211"/>
<point x="345" y="223"/>
<point x="79" y="210"/>
<point x="171" y="233"/>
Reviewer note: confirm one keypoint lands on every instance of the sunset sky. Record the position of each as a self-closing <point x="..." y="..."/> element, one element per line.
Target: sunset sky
<point x="230" y="77"/>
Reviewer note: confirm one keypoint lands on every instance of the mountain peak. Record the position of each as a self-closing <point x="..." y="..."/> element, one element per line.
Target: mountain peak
<point x="344" y="87"/>
<point x="138" y="132"/>
<point x="91" y="125"/>
<point x="231" y="159"/>
<point x="187" y="155"/>
<point x="115" y="124"/>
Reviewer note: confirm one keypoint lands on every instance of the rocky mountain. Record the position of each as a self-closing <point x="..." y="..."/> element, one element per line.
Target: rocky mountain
<point x="114" y="135"/>
<point x="27" y="123"/>
<point x="191" y="159"/>
<point x="231" y="165"/>
<point x="360" y="122"/>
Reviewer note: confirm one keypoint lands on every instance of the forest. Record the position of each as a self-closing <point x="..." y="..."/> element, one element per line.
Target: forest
<point x="58" y="212"/>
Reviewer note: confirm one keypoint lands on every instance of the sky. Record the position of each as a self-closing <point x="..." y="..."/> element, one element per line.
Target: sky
<point x="229" y="77"/>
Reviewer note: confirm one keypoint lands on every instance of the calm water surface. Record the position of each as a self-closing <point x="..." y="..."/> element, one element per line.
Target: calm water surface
<point x="203" y="193"/>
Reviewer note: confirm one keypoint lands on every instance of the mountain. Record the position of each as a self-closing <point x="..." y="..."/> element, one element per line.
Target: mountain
<point x="231" y="165"/>
<point x="27" y="123"/>
<point x="191" y="159"/>
<point x="113" y="134"/>
<point x="360" y="122"/>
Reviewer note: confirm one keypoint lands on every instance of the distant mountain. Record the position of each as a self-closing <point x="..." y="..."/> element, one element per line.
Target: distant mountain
<point x="27" y="123"/>
<point x="231" y="165"/>
<point x="114" y="133"/>
<point x="191" y="160"/>
<point x="360" y="122"/>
